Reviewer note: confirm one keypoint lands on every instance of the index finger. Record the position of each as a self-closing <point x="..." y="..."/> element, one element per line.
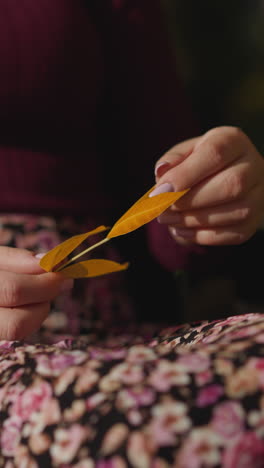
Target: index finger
<point x="217" y="149"/>
<point x="174" y="156"/>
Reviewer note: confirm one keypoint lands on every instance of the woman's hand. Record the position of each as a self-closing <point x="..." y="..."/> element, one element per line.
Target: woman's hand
<point x="25" y="293"/>
<point x="225" y="174"/>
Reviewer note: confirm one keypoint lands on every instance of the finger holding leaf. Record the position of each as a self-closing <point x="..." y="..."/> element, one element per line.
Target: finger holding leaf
<point x="142" y="212"/>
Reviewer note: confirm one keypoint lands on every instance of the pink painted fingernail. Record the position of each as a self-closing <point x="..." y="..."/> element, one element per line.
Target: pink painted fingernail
<point x="163" y="188"/>
<point x="160" y="168"/>
<point x="40" y="255"/>
<point x="186" y="233"/>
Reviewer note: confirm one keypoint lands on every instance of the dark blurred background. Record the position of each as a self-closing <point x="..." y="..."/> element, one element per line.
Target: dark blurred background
<point x="219" y="54"/>
<point x="219" y="50"/>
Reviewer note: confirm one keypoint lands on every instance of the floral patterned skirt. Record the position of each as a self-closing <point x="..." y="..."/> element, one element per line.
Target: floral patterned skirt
<point x="94" y="389"/>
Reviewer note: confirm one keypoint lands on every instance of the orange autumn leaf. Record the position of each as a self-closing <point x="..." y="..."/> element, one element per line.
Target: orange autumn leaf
<point x="93" y="267"/>
<point x="61" y="251"/>
<point x="143" y="211"/>
<point x="133" y="207"/>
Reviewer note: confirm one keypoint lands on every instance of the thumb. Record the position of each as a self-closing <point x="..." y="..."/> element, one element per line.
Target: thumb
<point x="19" y="261"/>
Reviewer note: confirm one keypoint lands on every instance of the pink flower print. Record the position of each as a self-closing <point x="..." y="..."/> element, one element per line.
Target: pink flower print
<point x="114" y="438"/>
<point x="228" y="419"/>
<point x="139" y="451"/>
<point x="9" y="464"/>
<point x="209" y="395"/>
<point x="9" y="392"/>
<point x="85" y="463"/>
<point x="49" y="414"/>
<point x="238" y="319"/>
<point x="134" y="417"/>
<point x="168" y="374"/>
<point x="13" y="392"/>
<point x="66" y="443"/>
<point x="244" y="332"/>
<point x="10" y="436"/>
<point x="194" y="362"/>
<point x="65" y="380"/>
<point x="44" y="365"/>
<point x="243" y="382"/>
<point x="23" y="458"/>
<point x="256" y="420"/>
<point x="5" y="364"/>
<point x="54" y="365"/>
<point x="107" y="354"/>
<point x="86" y="381"/>
<point x="260" y="338"/>
<point x="63" y="360"/>
<point x="129" y="374"/>
<point x="16" y="376"/>
<point x="2" y="396"/>
<point x="159" y="463"/>
<point x="212" y="336"/>
<point x="75" y="412"/>
<point x="31" y="400"/>
<point x="202" y="378"/>
<point x="247" y="451"/>
<point x="115" y="462"/>
<point x="224" y="366"/>
<point x="6" y="347"/>
<point x="258" y="365"/>
<point x="140" y="353"/>
<point x="200" y="449"/>
<point x="168" y="419"/>
<point x="95" y="400"/>
<point x="109" y="383"/>
<point x="153" y="343"/>
<point x="135" y="397"/>
<point x="39" y="443"/>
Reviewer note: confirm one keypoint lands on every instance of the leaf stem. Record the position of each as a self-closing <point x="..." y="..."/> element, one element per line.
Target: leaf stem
<point x="82" y="253"/>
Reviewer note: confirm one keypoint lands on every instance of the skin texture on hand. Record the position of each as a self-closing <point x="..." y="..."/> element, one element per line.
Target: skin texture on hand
<point x="225" y="174"/>
<point x="25" y="293"/>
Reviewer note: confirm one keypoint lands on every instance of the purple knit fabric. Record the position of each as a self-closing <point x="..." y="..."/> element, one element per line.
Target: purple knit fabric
<point x="52" y="84"/>
<point x="51" y="77"/>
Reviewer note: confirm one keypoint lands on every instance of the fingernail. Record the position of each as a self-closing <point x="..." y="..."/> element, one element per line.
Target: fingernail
<point x="160" y="168"/>
<point x="67" y="285"/>
<point x="186" y="233"/>
<point x="40" y="255"/>
<point x="163" y="188"/>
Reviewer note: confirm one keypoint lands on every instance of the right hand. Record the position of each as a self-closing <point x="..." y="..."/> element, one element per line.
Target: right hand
<point x="225" y="173"/>
<point x="25" y="293"/>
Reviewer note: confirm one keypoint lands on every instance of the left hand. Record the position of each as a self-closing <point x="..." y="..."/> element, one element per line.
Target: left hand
<point x="225" y="174"/>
